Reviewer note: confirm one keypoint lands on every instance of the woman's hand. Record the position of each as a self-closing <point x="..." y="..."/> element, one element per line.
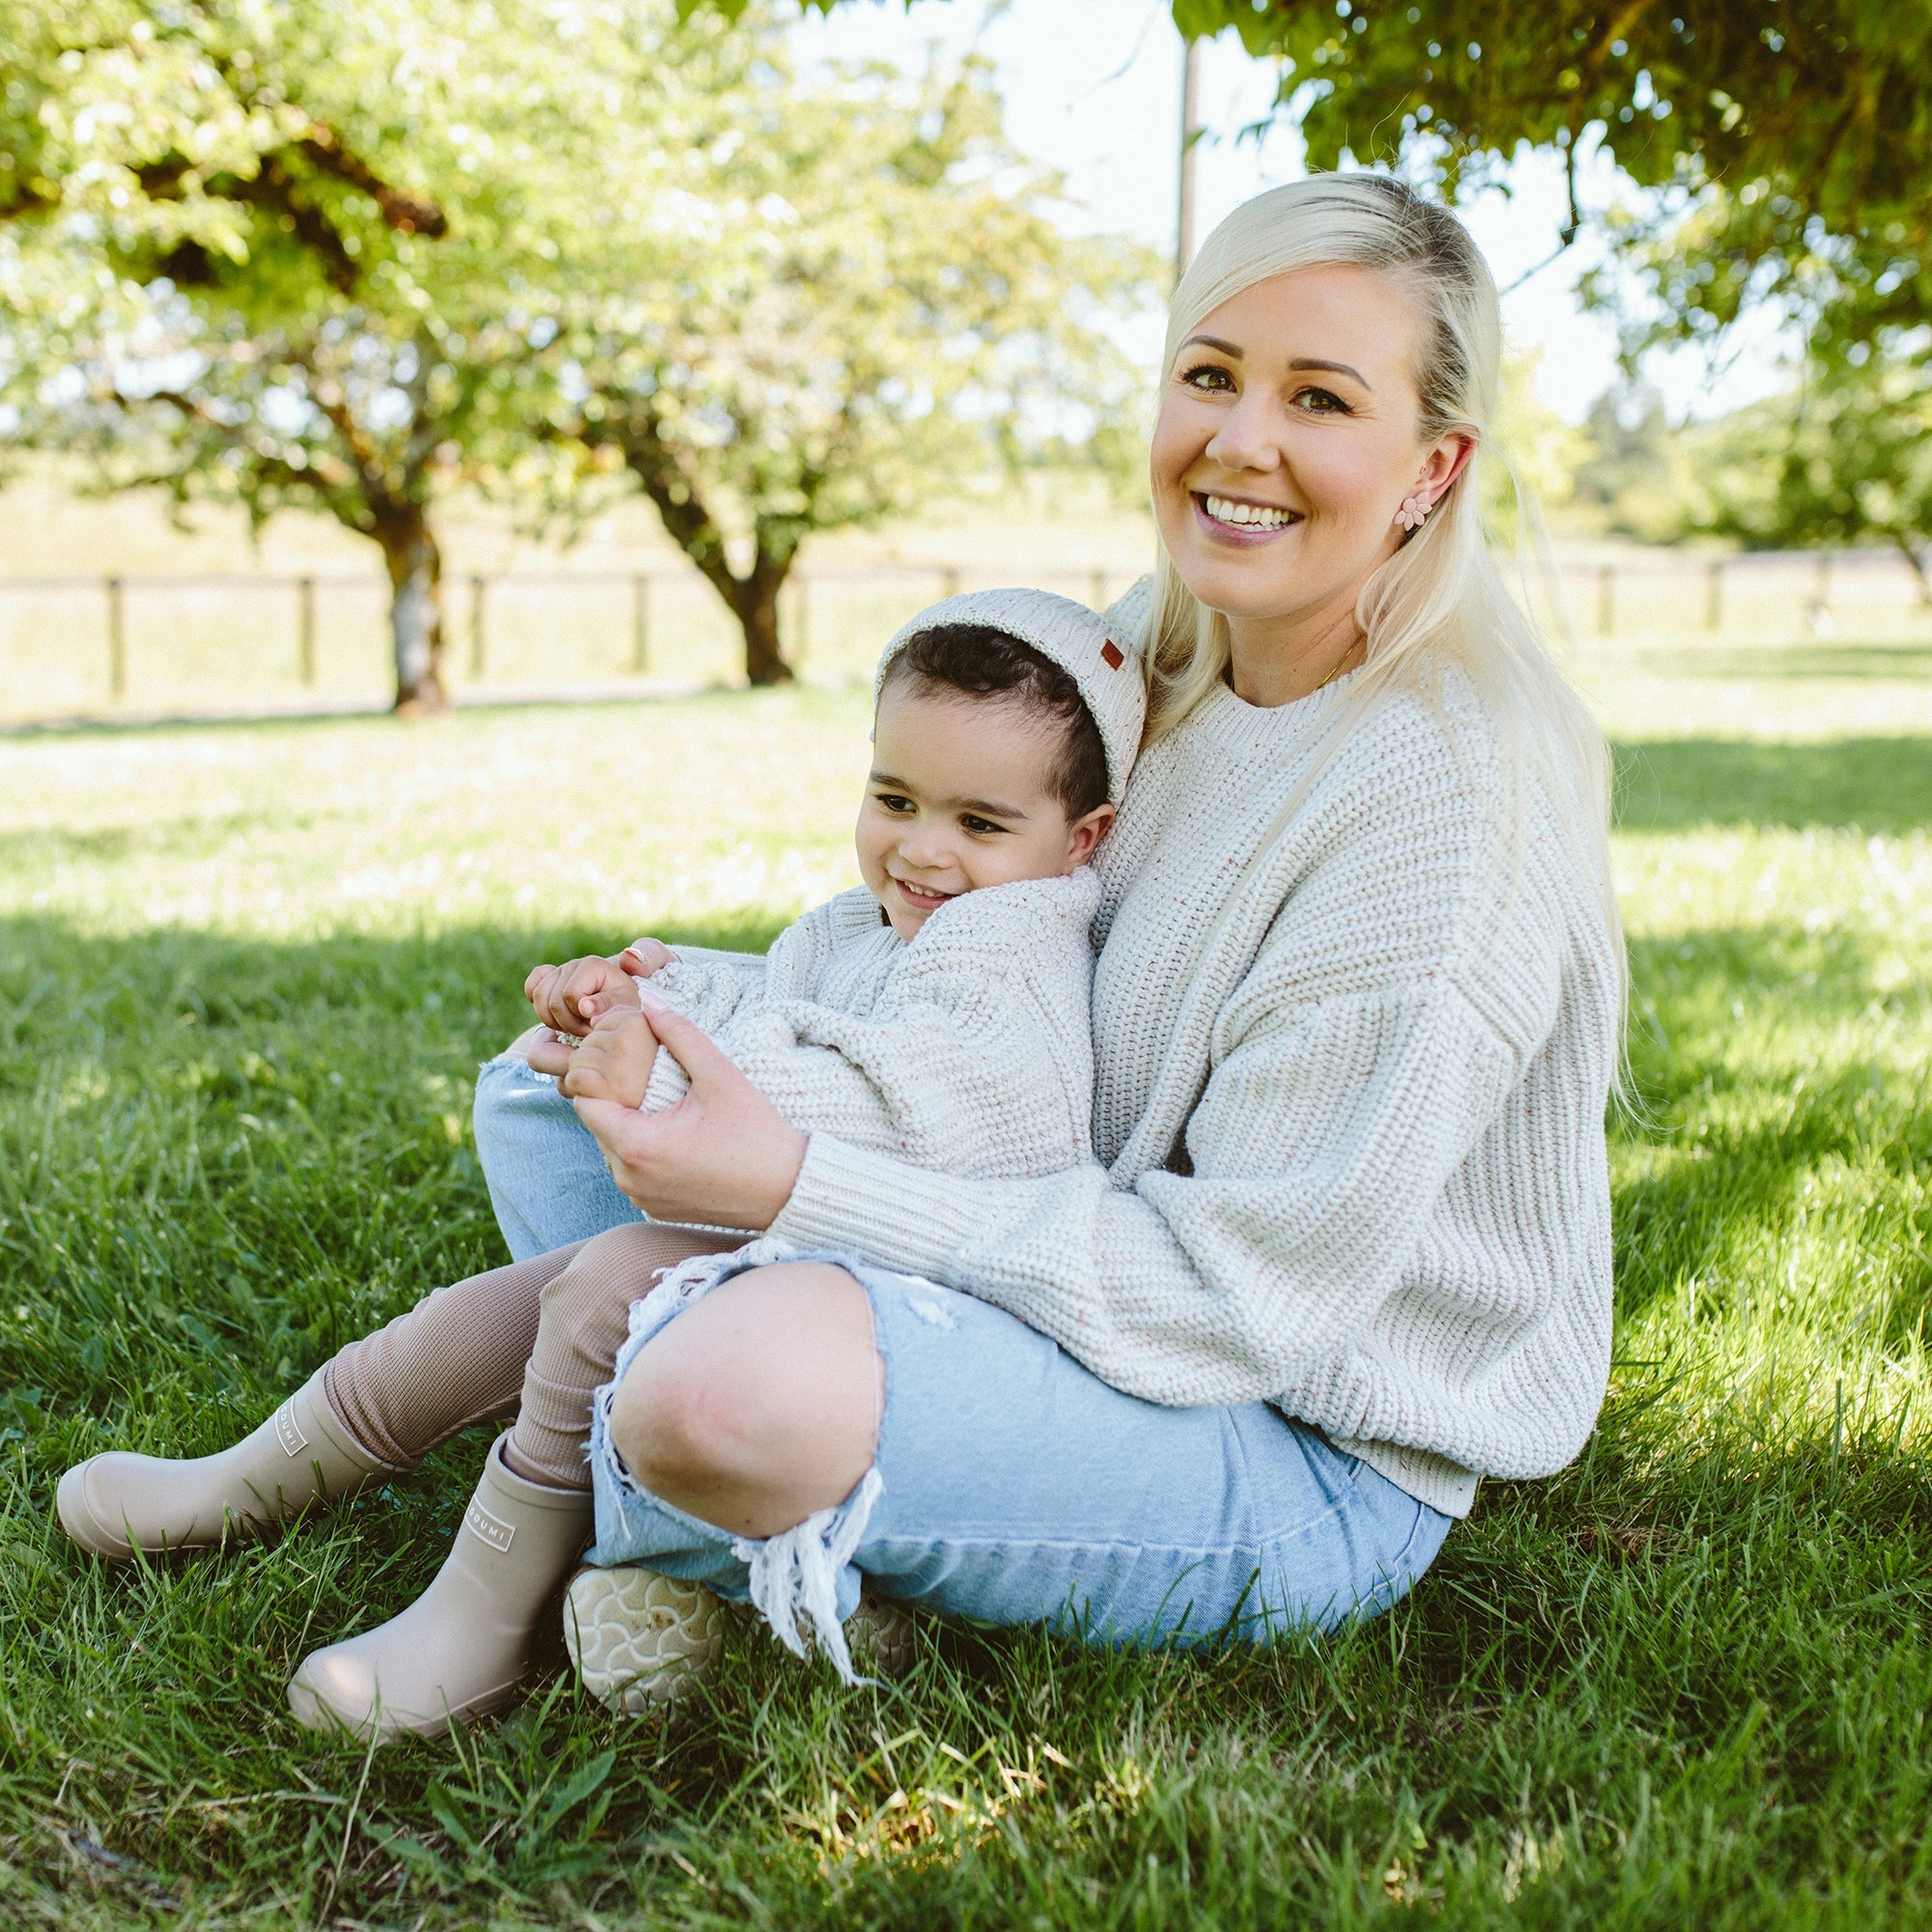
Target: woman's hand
<point x="722" y="1154"/>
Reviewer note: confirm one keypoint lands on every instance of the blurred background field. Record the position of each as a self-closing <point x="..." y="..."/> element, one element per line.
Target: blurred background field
<point x="208" y="623"/>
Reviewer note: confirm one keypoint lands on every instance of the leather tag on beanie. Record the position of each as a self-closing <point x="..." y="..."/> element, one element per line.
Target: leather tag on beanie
<point x="1110" y="655"/>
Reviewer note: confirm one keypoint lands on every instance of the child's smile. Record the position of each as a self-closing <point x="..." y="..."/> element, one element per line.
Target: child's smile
<point x="959" y="797"/>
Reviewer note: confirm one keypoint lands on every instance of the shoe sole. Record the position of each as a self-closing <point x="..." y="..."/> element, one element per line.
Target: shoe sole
<point x="882" y="1638"/>
<point x="639" y="1640"/>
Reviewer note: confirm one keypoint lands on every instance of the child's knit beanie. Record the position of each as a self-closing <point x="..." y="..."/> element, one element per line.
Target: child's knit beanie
<point x="1102" y="659"/>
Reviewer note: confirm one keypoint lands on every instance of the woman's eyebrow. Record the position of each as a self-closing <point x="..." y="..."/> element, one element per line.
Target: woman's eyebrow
<point x="1299" y="362"/>
<point x="1334" y="368"/>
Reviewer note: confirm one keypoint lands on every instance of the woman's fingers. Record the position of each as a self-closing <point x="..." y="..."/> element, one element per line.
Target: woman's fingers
<point x="691" y="1046"/>
<point x="722" y="1154"/>
<point x="644" y="956"/>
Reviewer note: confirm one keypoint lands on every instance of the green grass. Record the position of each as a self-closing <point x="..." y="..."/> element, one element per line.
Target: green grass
<point x="245" y="974"/>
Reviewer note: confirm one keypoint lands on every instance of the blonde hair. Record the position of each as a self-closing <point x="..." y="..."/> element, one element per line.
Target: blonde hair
<point x="1440" y="597"/>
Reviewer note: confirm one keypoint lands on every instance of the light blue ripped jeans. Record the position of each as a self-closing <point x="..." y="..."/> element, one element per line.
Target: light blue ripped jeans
<point x="1009" y="1485"/>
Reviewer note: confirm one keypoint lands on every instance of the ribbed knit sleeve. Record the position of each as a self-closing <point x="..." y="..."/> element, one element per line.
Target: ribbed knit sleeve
<point x="969" y="1048"/>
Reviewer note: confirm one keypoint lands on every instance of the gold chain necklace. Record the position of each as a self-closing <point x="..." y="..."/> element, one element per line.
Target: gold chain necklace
<point x="1341" y="665"/>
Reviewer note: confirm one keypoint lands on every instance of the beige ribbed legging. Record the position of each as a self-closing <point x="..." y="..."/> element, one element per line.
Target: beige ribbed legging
<point x="534" y="1340"/>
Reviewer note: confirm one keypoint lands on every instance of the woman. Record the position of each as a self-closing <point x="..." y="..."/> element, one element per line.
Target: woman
<point x="1346" y="1249"/>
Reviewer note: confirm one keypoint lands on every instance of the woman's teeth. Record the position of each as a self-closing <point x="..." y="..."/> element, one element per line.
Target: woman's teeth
<point x="1224" y="510"/>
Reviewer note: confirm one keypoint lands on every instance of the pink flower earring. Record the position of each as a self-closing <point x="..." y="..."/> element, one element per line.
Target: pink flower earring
<point x="1413" y="509"/>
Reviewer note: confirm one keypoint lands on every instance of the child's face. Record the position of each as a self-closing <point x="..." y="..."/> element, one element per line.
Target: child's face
<point x="958" y="800"/>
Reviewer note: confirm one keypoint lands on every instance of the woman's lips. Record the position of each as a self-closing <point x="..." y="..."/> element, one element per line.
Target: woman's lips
<point x="1237" y="536"/>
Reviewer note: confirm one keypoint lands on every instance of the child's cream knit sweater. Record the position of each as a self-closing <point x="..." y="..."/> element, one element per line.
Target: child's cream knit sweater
<point x="1348" y="1111"/>
<point x="968" y="1049"/>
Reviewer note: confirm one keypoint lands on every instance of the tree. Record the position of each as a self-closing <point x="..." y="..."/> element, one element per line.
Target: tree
<point x="358" y="339"/>
<point x="121" y="127"/>
<point x="1845" y="457"/>
<point x="889" y="308"/>
<point x="1635" y="474"/>
<point x="515" y="250"/>
<point x="1790" y="140"/>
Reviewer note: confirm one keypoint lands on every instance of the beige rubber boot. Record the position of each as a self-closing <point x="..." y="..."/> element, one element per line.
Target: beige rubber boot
<point x="463" y="1647"/>
<point x="112" y="1503"/>
<point x="640" y="1641"/>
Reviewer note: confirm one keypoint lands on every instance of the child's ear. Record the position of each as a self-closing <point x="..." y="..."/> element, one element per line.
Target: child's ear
<point x="1084" y="833"/>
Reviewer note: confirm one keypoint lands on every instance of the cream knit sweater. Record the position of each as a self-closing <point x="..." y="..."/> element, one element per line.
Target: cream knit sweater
<point x="1347" y="1115"/>
<point x="967" y="1048"/>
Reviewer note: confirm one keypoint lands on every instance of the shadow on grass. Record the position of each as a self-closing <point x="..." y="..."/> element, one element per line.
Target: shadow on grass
<point x="1745" y="1109"/>
<point x="1875" y="784"/>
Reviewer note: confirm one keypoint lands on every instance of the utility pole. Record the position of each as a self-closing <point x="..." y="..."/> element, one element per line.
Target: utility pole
<point x="1190" y="132"/>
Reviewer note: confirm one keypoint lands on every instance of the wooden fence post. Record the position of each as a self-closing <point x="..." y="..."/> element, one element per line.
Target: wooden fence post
<point x="117" y="640"/>
<point x="479" y="641"/>
<point x="305" y="633"/>
<point x="1100" y="599"/>
<point x="640" y="624"/>
<point x="1713" y="597"/>
<point x="948" y="580"/>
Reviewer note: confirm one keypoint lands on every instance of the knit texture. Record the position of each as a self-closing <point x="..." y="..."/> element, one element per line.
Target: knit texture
<point x="1348" y="1112"/>
<point x="1098" y="653"/>
<point x="967" y="1048"/>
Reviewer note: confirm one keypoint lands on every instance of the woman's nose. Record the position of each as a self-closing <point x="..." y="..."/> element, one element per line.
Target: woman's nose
<point x="1246" y="437"/>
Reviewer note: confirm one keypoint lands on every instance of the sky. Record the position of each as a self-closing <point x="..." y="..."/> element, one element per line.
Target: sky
<point x="1093" y="87"/>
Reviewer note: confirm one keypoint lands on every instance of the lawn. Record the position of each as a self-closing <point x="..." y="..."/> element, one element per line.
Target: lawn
<point x="245" y="976"/>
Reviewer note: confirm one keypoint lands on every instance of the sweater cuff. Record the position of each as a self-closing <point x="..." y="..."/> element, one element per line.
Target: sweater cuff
<point x="880" y="1209"/>
<point x="668" y="1084"/>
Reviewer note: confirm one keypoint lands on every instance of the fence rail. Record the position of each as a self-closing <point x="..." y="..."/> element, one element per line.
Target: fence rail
<point x="119" y="641"/>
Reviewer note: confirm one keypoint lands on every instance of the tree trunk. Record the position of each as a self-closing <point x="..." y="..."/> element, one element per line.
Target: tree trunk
<point x="1916" y="562"/>
<point x="754" y="598"/>
<point x="756" y="609"/>
<point x="416" y="608"/>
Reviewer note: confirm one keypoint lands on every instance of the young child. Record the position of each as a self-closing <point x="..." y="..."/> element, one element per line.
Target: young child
<point x="939" y="1010"/>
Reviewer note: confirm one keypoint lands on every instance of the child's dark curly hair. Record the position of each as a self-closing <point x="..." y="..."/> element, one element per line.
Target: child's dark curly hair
<point x="982" y="662"/>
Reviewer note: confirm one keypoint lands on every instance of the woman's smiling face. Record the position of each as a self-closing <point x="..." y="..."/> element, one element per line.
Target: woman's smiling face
<point x="1288" y="438"/>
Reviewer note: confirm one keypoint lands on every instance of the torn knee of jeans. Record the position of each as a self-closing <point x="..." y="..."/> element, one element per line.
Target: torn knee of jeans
<point x="800" y="1570"/>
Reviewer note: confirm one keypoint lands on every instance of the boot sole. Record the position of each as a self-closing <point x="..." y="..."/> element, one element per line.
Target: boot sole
<point x="640" y="1641"/>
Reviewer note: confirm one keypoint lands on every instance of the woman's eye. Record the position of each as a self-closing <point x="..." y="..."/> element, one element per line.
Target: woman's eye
<point x="1322" y="402"/>
<point x="1210" y="377"/>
